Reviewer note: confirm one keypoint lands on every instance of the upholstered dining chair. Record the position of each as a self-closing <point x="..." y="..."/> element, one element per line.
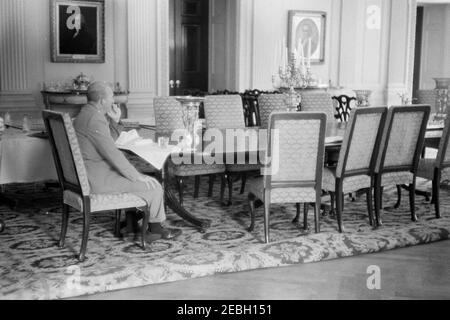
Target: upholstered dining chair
<point x="168" y="119"/>
<point x="75" y="185"/>
<point x="318" y="101"/>
<point x="354" y="170"/>
<point x="438" y="168"/>
<point x="269" y="103"/>
<point x="296" y="149"/>
<point x="400" y="150"/>
<point x="226" y="112"/>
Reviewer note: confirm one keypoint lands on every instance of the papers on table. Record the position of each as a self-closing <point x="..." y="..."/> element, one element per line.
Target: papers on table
<point x="127" y="137"/>
<point x="334" y="139"/>
<point x="144" y="148"/>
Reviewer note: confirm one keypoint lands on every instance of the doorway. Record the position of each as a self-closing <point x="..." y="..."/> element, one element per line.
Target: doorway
<point x="418" y="51"/>
<point x="189" y="46"/>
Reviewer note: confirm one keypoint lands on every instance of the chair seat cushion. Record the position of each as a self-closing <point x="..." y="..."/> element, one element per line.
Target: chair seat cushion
<point x="186" y="170"/>
<point x="243" y="167"/>
<point x="281" y="195"/>
<point x="397" y="178"/>
<point x="104" y="202"/>
<point x="350" y="184"/>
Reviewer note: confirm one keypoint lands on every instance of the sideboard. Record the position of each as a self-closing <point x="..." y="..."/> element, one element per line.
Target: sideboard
<point x="72" y="101"/>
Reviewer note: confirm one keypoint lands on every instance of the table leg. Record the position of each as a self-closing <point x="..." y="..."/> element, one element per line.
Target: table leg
<point x="173" y="203"/>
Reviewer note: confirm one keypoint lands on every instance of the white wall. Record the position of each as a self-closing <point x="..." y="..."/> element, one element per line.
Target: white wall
<point x="435" y="61"/>
<point x="35" y="17"/>
<point x="262" y="24"/>
<point x="359" y="53"/>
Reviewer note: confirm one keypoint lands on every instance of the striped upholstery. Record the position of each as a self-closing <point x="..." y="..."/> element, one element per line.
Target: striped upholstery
<point x="65" y="138"/>
<point x="269" y="103"/>
<point x="318" y="101"/>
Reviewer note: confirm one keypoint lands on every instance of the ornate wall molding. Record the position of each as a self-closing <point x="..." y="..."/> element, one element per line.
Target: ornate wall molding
<point x="148" y="54"/>
<point x="14" y="90"/>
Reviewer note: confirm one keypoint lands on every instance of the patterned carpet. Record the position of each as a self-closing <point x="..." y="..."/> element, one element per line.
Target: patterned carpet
<point x="33" y="267"/>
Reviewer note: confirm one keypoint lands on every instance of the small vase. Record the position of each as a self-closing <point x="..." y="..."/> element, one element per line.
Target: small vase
<point x="362" y="98"/>
<point x="292" y="100"/>
<point x="442" y="87"/>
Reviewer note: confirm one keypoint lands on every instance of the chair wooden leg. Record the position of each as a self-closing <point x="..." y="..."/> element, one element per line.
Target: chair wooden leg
<point x="196" y="186"/>
<point x="251" y="205"/>
<point x="333" y="201"/>
<point x="243" y="181"/>
<point x="305" y="215"/>
<point x="339" y="207"/>
<point x="144" y="228"/>
<point x="180" y="189"/>
<point x="117" y="227"/>
<point x="230" y="189"/>
<point x="378" y="190"/>
<point x="64" y="223"/>
<point x="436" y="187"/>
<point x="223" y="181"/>
<point x="317" y="213"/>
<point x="212" y="178"/>
<point x="266" y="216"/>
<point x="297" y="216"/>
<point x="84" y="241"/>
<point x="412" y="201"/>
<point x="369" y="201"/>
<point x="399" y="197"/>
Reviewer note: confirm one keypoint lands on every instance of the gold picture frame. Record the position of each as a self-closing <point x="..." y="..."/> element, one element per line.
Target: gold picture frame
<point x="309" y="27"/>
<point x="77" y="31"/>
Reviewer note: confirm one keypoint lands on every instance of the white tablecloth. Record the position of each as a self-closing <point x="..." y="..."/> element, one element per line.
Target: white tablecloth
<point x="25" y="159"/>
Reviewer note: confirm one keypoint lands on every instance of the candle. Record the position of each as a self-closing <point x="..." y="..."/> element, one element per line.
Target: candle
<point x="275" y="58"/>
<point x="309" y="52"/>
<point x="286" y="57"/>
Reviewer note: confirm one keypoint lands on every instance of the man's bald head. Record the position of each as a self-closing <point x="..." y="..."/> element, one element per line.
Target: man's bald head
<point x="98" y="91"/>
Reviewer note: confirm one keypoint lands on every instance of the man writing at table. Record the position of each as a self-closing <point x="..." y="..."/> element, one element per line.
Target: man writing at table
<point x="107" y="168"/>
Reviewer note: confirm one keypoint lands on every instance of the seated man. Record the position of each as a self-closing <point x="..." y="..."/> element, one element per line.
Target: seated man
<point x="107" y="168"/>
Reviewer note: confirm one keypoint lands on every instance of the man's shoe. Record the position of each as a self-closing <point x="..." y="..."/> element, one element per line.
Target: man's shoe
<point x="165" y="233"/>
<point x="150" y="237"/>
<point x="170" y="233"/>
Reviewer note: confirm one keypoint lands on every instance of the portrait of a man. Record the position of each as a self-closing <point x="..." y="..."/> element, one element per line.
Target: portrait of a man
<point x="78" y="31"/>
<point x="307" y="34"/>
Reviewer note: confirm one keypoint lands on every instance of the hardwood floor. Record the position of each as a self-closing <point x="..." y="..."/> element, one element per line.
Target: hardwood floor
<point x="419" y="272"/>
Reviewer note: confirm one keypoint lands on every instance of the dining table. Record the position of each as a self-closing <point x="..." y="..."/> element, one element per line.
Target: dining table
<point x="251" y="152"/>
<point x="25" y="157"/>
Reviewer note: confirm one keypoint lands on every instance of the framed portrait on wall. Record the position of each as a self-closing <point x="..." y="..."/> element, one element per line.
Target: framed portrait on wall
<point x="306" y="34"/>
<point x="78" y="31"/>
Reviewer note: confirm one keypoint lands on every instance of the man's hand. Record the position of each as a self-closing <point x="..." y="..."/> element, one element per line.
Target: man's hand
<point x="151" y="183"/>
<point x="115" y="113"/>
